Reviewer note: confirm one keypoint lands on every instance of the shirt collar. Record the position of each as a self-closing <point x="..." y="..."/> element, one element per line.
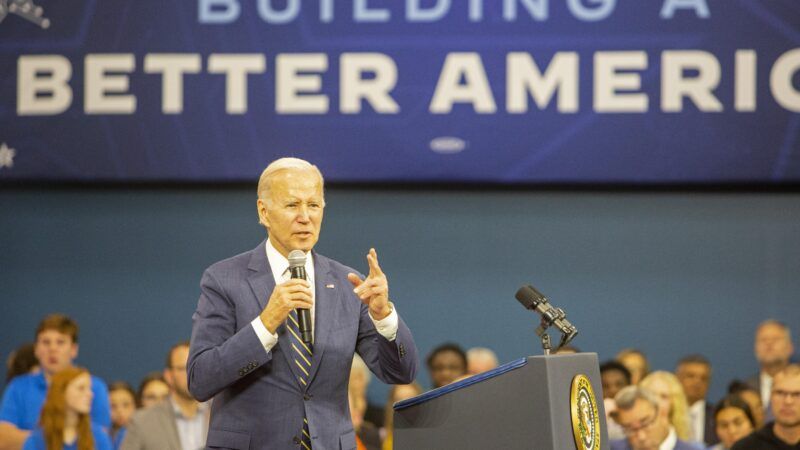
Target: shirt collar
<point x="40" y="380"/>
<point x="279" y="264"/>
<point x="201" y="409"/>
<point x="670" y="441"/>
<point x="698" y="407"/>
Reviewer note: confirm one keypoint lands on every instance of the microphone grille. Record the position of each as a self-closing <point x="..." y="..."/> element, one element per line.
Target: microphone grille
<point x="297" y="258"/>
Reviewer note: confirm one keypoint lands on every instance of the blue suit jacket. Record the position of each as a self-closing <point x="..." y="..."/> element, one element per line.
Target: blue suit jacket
<point x="258" y="401"/>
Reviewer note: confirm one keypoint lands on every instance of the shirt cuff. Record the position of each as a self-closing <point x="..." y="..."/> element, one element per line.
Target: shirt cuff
<point x="387" y="327"/>
<point x="268" y="340"/>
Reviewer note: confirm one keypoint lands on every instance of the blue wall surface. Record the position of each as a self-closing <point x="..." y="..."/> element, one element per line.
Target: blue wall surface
<point x="670" y="273"/>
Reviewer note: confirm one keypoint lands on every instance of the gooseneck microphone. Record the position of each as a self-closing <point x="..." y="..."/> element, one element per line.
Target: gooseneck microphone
<point x="534" y="300"/>
<point x="297" y="268"/>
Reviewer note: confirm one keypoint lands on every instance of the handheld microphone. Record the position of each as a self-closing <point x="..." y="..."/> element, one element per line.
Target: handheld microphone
<point x="297" y="268"/>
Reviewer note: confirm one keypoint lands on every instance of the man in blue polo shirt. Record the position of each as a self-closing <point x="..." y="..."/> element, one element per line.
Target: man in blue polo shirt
<point x="56" y="348"/>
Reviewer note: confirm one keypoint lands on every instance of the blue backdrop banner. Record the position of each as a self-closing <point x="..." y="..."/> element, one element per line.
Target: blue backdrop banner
<point x="499" y="91"/>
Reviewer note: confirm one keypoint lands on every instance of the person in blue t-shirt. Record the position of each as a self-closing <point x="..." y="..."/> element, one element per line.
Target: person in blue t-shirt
<point x="64" y="423"/>
<point x="123" y="405"/>
<point x="56" y="347"/>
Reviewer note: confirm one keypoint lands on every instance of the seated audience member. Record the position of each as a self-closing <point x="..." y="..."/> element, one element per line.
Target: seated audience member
<point x="694" y="374"/>
<point x="669" y="393"/>
<point x="784" y="432"/>
<point x="773" y="349"/>
<point x="752" y="397"/>
<point x="56" y="347"/>
<point x="367" y="435"/>
<point x="636" y="363"/>
<point x="479" y="360"/>
<point x="733" y="420"/>
<point x="644" y="426"/>
<point x="180" y="422"/>
<point x="446" y="363"/>
<point x="123" y="405"/>
<point x="22" y="361"/>
<point x="152" y="390"/>
<point x="360" y="377"/>
<point x="397" y="393"/>
<point x="613" y="376"/>
<point x="65" y="422"/>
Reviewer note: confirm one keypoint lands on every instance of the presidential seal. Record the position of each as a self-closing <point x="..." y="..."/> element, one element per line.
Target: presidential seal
<point x="585" y="416"/>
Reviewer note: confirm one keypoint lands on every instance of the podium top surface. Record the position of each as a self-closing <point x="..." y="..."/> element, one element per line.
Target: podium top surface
<point x="438" y="392"/>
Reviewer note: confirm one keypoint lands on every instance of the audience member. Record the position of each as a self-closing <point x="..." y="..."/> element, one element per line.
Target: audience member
<point x="360" y="377"/>
<point x="446" y="363"/>
<point x="480" y="359"/>
<point x="644" y="426"/>
<point x="752" y="397"/>
<point x="669" y="393"/>
<point x="784" y="432"/>
<point x="367" y="435"/>
<point x="56" y="347"/>
<point x="123" y="405"/>
<point x="733" y="421"/>
<point x="153" y="389"/>
<point x="22" y="361"/>
<point x="65" y="422"/>
<point x="694" y="374"/>
<point x="613" y="377"/>
<point x="773" y="348"/>
<point x="636" y="363"/>
<point x="397" y="393"/>
<point x="183" y="418"/>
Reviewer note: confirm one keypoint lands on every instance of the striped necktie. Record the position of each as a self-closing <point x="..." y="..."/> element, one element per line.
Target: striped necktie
<point x="301" y="355"/>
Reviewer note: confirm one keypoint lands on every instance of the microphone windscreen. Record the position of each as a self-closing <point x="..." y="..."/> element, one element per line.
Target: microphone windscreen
<point x="297" y="258"/>
<point x="529" y="297"/>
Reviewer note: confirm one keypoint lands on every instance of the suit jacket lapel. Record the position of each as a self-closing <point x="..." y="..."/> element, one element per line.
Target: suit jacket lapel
<point x="325" y="299"/>
<point x="262" y="282"/>
<point x="170" y="426"/>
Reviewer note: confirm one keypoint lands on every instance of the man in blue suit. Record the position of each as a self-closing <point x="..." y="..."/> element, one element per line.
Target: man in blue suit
<point x="645" y="429"/>
<point x="270" y="390"/>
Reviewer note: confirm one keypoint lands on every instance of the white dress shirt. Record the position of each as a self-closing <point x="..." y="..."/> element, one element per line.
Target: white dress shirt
<point x="670" y="441"/>
<point x="766" y="388"/>
<point x="697" y="416"/>
<point x="387" y="327"/>
<point x="191" y="431"/>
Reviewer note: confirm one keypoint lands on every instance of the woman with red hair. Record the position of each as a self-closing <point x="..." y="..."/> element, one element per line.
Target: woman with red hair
<point x="65" y="423"/>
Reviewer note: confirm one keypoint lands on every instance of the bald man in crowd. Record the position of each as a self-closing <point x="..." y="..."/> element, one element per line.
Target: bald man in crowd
<point x="773" y="349"/>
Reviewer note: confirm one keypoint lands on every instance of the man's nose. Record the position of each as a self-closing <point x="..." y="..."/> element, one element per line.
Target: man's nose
<point x="303" y="213"/>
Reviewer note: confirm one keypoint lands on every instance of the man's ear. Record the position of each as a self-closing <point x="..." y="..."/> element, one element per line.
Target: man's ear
<point x="261" y="208"/>
<point x="73" y="352"/>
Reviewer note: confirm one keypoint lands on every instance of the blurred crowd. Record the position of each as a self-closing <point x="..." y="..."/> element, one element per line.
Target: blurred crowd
<point x="49" y="403"/>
